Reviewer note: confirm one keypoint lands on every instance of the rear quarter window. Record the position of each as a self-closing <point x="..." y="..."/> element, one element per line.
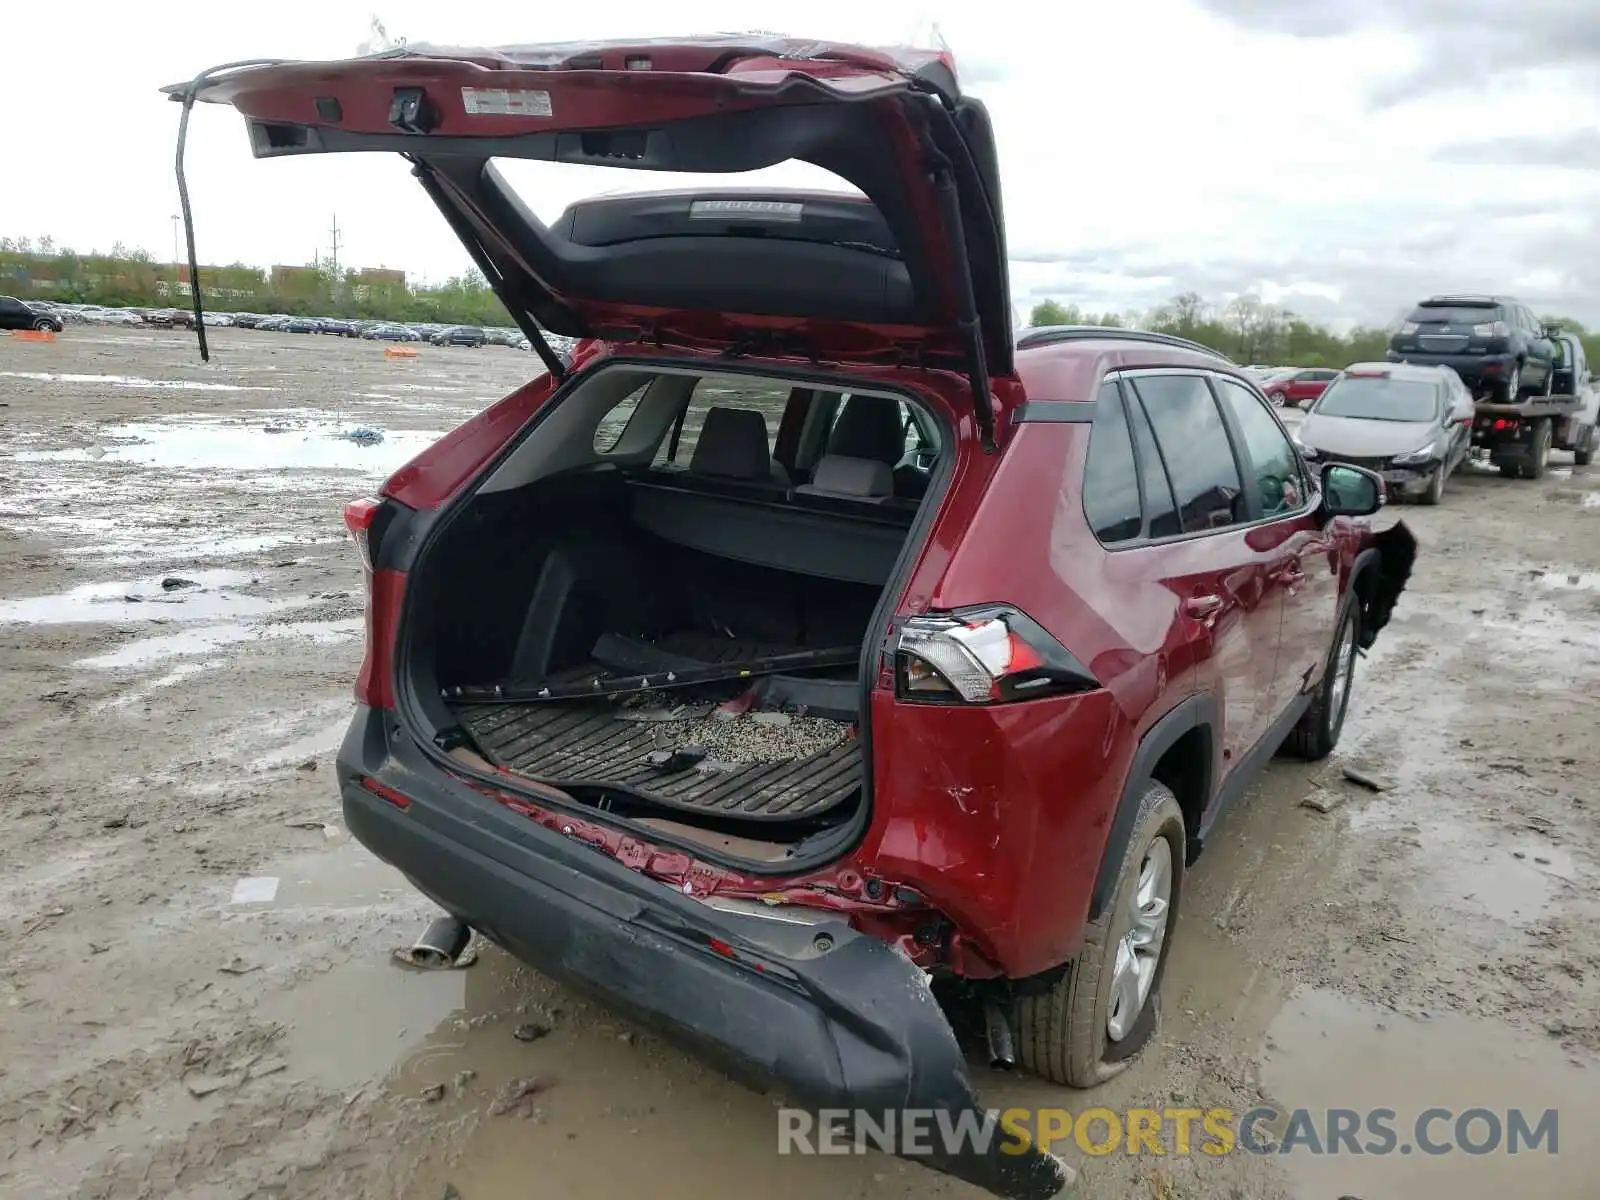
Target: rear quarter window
<point x="1110" y="475"/>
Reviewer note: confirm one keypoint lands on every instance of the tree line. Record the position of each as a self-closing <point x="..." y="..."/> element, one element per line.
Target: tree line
<point x="130" y="278"/>
<point x="1248" y="330"/>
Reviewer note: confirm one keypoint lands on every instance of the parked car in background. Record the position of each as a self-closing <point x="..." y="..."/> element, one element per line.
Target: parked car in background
<point x="274" y="323"/>
<point x="1410" y="424"/>
<point x="169" y="318"/>
<point x="339" y="327"/>
<point x="459" y="335"/>
<point x="17" y="314"/>
<point x="95" y="315"/>
<point x="246" y="320"/>
<point x="1296" y="386"/>
<point x="1494" y="343"/>
<point x="221" y="320"/>
<point x="1027" y="733"/>
<point x="392" y="333"/>
<point x="302" y="325"/>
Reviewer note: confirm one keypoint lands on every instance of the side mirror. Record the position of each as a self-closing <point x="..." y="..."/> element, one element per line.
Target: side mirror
<point x="1550" y="331"/>
<point x="1350" y="491"/>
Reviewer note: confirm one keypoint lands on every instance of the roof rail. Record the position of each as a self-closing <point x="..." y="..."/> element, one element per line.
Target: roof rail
<point x="1052" y="335"/>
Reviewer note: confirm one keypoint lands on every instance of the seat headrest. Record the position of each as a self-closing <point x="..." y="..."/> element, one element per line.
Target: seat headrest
<point x="851" y="478"/>
<point x="733" y="445"/>
<point x="869" y="427"/>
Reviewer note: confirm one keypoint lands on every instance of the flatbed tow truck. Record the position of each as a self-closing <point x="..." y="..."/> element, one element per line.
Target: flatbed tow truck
<point x="1518" y="438"/>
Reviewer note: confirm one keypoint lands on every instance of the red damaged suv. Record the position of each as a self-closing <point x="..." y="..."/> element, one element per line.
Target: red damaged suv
<point x="804" y="636"/>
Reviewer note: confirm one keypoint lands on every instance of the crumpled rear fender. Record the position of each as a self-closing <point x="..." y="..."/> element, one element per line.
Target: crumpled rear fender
<point x="1381" y="571"/>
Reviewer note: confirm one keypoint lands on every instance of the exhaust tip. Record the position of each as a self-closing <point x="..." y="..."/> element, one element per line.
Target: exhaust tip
<point x="997" y="1032"/>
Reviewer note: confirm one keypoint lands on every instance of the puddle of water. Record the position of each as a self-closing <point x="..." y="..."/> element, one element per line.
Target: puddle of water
<point x="198" y="641"/>
<point x="127" y="550"/>
<point x="129" y="381"/>
<point x="171" y="679"/>
<point x="144" y="599"/>
<point x="311" y="745"/>
<point x="1584" y="580"/>
<point x="1591" y="500"/>
<point x="1327" y="1051"/>
<point x="214" y="445"/>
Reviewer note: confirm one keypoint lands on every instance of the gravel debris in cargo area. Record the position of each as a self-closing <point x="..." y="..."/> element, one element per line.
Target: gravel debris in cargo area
<point x="732" y="739"/>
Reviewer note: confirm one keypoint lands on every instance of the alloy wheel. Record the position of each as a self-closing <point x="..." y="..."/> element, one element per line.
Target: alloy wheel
<point x="1138" y="952"/>
<point x="1344" y="666"/>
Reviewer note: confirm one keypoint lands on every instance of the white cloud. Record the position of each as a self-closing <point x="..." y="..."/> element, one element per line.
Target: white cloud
<point x="1215" y="145"/>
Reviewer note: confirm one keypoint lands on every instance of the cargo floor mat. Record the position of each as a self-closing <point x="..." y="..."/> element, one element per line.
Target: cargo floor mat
<point x="677" y="752"/>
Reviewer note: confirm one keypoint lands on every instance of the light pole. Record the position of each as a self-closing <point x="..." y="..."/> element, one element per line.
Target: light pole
<point x="177" y="253"/>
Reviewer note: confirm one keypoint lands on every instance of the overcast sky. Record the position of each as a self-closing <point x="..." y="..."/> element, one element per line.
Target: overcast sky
<point x="1342" y="157"/>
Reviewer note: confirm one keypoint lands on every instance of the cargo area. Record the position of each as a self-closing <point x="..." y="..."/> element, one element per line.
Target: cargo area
<point x="660" y="601"/>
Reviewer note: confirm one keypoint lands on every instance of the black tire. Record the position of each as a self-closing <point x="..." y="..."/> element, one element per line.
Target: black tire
<point x="1539" y="452"/>
<point x="1585" y="456"/>
<point x="1435" y="492"/>
<point x="1317" y="732"/>
<point x="1510" y="387"/>
<point x="44" y="325"/>
<point x="1061" y="1034"/>
<point x="1510" y="470"/>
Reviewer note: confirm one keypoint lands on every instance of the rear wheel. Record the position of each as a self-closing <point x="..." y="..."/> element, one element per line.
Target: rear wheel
<point x="44" y="326"/>
<point x="1278" y="399"/>
<point x="1539" y="452"/>
<point x="1585" y="456"/>
<point x="1317" y="732"/>
<point x="1511" y="385"/>
<point x="1089" y="1026"/>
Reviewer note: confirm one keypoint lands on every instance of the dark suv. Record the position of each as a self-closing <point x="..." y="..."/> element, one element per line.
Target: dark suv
<point x="1494" y="343"/>
<point x="802" y="640"/>
<point x="17" y="314"/>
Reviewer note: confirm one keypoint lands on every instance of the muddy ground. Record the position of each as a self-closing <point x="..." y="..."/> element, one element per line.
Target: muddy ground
<point x="168" y="1032"/>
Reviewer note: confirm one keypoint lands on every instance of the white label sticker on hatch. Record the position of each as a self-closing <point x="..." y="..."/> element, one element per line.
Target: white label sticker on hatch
<point x="498" y="102"/>
<point x="754" y="210"/>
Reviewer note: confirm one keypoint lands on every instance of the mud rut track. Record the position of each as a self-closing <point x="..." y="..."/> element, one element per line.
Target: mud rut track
<point x="161" y="748"/>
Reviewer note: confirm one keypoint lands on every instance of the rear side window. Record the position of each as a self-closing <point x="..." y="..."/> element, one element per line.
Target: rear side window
<point x="1110" y="476"/>
<point x="1195" y="447"/>
<point x="722" y="391"/>
<point x="1273" y="460"/>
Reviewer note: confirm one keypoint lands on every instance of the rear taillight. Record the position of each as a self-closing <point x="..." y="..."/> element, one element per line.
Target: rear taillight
<point x="988" y="655"/>
<point x="374" y="684"/>
<point x="1492" y="329"/>
<point x="1408" y="327"/>
<point x="358" y="517"/>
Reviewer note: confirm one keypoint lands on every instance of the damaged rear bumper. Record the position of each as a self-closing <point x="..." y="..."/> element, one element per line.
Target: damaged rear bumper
<point x="836" y="1017"/>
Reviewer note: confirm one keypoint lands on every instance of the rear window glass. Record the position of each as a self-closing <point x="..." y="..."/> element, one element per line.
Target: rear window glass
<point x="1456" y="314"/>
<point x="1380" y="400"/>
<point x="723" y="391"/>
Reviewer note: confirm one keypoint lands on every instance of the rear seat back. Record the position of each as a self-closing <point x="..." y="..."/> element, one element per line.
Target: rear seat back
<point x="845" y="478"/>
<point x="733" y="445"/>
